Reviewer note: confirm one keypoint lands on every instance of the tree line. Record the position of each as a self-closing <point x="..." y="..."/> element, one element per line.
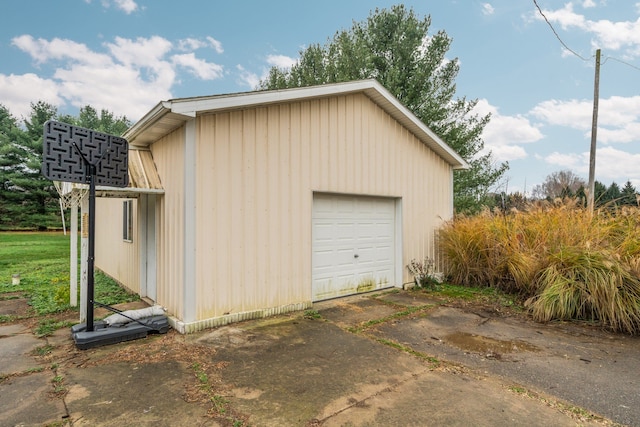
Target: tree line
<point x="392" y="45"/>
<point x="566" y="184"/>
<point x="27" y="199"/>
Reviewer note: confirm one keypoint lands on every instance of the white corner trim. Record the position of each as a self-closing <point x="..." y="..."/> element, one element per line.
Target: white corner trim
<point x="189" y="288"/>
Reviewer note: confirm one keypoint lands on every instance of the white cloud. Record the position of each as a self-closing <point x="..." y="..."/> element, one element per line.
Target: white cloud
<point x="198" y="67"/>
<point x="622" y="36"/>
<point x="505" y="135"/>
<point x="119" y="89"/>
<point x="487" y="9"/>
<point x="140" y="52"/>
<point x="247" y="78"/>
<point x="505" y="153"/>
<point x="573" y="113"/>
<point x="618" y="117"/>
<point x="215" y="44"/>
<point x="18" y="91"/>
<point x="42" y="50"/>
<point x="588" y="4"/>
<point x="573" y="161"/>
<point x="280" y="61"/>
<point x="127" y="6"/>
<point x="190" y="44"/>
<point x="611" y="164"/>
<point x="127" y="77"/>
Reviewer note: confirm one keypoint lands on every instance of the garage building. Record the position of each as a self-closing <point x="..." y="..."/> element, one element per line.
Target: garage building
<point x="271" y="200"/>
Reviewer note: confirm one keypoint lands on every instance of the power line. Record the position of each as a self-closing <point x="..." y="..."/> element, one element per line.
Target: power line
<point x="620" y="61"/>
<point x="556" y="34"/>
<point x="571" y="50"/>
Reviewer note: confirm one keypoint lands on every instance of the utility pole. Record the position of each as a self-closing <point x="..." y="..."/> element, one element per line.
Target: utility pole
<point x="594" y="132"/>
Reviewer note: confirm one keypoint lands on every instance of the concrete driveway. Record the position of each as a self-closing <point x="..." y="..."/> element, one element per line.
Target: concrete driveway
<point x="391" y="359"/>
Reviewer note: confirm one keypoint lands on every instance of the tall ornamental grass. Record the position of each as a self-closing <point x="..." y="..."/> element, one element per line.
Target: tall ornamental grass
<point x="563" y="261"/>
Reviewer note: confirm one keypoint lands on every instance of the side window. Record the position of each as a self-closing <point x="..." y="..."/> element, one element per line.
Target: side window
<point x="127" y="220"/>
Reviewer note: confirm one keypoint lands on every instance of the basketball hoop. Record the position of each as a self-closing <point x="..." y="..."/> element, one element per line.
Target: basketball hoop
<point x="72" y="154"/>
<point x="70" y="194"/>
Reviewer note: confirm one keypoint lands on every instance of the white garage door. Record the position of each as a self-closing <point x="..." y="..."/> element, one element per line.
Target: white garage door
<point x="353" y="244"/>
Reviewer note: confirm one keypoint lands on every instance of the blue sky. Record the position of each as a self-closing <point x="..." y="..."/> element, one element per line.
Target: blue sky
<point x="127" y="55"/>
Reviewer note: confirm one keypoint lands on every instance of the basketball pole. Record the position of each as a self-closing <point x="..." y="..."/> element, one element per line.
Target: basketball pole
<point x="92" y="246"/>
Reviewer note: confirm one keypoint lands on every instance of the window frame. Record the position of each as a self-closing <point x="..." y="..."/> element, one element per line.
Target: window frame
<point x="127" y="221"/>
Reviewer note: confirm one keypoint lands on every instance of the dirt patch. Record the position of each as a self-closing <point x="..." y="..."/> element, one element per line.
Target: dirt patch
<point x="485" y="345"/>
<point x="15" y="306"/>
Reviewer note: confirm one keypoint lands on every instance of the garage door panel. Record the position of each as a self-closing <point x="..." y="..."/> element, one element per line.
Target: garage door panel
<point x="366" y="230"/>
<point x="383" y="229"/>
<point x="353" y="244"/>
<point x="323" y="259"/>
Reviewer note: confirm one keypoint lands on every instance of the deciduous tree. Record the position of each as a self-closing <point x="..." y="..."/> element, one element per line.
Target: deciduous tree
<point x="562" y="183"/>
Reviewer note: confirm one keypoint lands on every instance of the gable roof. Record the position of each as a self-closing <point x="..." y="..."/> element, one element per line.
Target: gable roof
<point x="167" y="116"/>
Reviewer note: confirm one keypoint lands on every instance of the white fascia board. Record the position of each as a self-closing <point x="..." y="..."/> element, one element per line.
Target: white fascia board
<point x="151" y="118"/>
<point x="252" y="99"/>
<point x="147" y="120"/>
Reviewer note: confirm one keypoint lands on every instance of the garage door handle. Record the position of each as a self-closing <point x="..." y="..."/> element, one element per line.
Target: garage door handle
<point x="356" y="256"/>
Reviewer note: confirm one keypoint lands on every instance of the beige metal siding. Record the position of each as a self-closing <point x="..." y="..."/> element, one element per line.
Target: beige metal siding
<point x="168" y="154"/>
<point x="257" y="171"/>
<point x="114" y="256"/>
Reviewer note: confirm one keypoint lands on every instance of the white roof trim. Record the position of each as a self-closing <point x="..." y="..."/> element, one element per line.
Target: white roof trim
<point x="169" y="115"/>
<point x="125" y="192"/>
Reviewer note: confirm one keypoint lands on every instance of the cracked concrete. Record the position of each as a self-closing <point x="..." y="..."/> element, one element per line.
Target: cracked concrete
<point x="397" y="358"/>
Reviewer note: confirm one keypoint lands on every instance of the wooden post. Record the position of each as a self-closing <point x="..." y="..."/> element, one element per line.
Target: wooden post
<point x="594" y="132"/>
<point x="84" y="256"/>
<point x="73" y="261"/>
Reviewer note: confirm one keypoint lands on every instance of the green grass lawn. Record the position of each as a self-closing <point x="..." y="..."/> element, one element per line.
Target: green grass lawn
<point x="42" y="261"/>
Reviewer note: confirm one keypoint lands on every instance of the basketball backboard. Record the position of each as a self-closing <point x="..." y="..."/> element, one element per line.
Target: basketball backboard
<point x="68" y="152"/>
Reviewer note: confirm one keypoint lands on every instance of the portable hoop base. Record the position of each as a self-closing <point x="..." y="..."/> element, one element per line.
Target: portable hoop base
<point x="102" y="334"/>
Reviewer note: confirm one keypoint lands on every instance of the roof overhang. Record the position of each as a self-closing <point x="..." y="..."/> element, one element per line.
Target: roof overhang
<point x="125" y="193"/>
<point x="167" y="116"/>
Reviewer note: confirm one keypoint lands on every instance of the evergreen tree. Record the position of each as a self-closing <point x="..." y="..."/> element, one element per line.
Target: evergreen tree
<point x="613" y="194"/>
<point x="394" y="46"/>
<point x="28" y="199"/>
<point x="39" y="196"/>
<point x="599" y="193"/>
<point x="10" y="160"/>
<point x="628" y="195"/>
<point x="581" y="196"/>
<point x="106" y="122"/>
